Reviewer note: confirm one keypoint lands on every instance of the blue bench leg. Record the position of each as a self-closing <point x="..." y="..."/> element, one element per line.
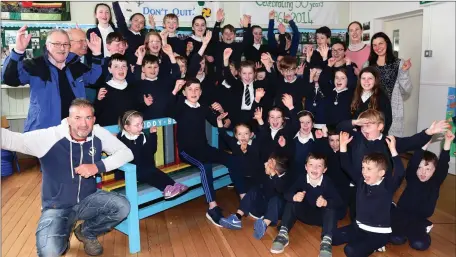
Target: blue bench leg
<point x="131" y="189"/>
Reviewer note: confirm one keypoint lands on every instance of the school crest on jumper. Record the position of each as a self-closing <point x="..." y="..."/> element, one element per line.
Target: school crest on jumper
<point x="92" y="151"/>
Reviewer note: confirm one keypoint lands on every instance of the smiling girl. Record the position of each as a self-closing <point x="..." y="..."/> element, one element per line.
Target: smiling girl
<point x="357" y="51"/>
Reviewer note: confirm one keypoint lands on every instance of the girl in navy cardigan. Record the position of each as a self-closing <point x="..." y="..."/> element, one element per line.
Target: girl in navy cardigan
<point x="144" y="147"/>
<point x="337" y="107"/>
<point x="103" y="16"/>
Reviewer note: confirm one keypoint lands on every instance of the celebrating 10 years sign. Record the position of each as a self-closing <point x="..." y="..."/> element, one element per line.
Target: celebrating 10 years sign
<point x="303" y="13"/>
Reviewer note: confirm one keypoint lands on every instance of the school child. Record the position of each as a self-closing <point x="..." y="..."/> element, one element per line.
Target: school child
<point x="254" y="50"/>
<point x="288" y="45"/>
<point x="327" y="143"/>
<point x="425" y="174"/>
<point x="316" y="99"/>
<point x="182" y="62"/>
<point x="103" y="19"/>
<point x="375" y="185"/>
<point x="228" y="40"/>
<point x="320" y="56"/>
<point x="154" y="46"/>
<point x="368" y="138"/>
<point x="194" y="42"/>
<point x="339" y="98"/>
<point x="153" y="93"/>
<point x="242" y="91"/>
<point x="303" y="141"/>
<point x="134" y="33"/>
<point x="170" y="25"/>
<point x="369" y="95"/>
<point x="266" y="198"/>
<point x="314" y="200"/>
<point x="192" y="141"/>
<point x="336" y="62"/>
<point x="144" y="147"/>
<point x="116" y="96"/>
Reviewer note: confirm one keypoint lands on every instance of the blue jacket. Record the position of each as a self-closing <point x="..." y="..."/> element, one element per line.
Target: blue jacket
<point x="42" y="76"/>
<point x="59" y="155"/>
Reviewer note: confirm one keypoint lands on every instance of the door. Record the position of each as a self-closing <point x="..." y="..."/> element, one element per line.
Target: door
<point x="405" y="34"/>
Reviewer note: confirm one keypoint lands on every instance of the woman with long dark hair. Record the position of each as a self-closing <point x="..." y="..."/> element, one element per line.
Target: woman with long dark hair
<point x="394" y="77"/>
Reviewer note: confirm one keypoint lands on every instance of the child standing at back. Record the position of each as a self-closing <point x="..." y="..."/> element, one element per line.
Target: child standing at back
<point x="425" y="174"/>
<point x="144" y="147"/>
<point x="169" y="35"/>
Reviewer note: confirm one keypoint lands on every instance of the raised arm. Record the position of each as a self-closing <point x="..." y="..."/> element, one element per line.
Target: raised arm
<point x="272" y="42"/>
<point x="404" y="80"/>
<point x="94" y="73"/>
<point x="442" y="167"/>
<point x="120" y="18"/>
<point x="345" y="158"/>
<point x="35" y="143"/>
<point x="418" y="140"/>
<point x="295" y="38"/>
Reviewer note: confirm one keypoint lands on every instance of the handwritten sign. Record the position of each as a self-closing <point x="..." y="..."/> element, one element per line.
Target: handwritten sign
<point x="303" y="13"/>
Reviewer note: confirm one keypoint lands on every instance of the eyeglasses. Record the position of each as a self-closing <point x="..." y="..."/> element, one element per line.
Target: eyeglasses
<point x="59" y="45"/>
<point x="154" y="42"/>
<point x="288" y="71"/>
<point x="337" y="50"/>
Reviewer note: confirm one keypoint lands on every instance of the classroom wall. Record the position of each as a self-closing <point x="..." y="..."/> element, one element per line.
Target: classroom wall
<point x="437" y="72"/>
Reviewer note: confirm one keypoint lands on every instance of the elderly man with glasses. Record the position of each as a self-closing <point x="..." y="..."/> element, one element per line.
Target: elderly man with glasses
<point x="56" y="78"/>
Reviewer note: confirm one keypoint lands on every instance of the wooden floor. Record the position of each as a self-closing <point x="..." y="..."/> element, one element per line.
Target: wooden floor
<point x="185" y="231"/>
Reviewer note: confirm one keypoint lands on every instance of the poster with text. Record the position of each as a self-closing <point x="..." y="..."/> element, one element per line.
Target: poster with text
<point x="303" y="13"/>
<point x="450" y="116"/>
<point x="184" y="10"/>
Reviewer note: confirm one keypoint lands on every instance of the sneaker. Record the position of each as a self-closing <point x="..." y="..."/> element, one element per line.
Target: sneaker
<point x="326" y="247"/>
<point x="214" y="215"/>
<point x="381" y="249"/>
<point x="259" y="228"/>
<point x="232" y="222"/>
<point x="91" y="246"/>
<point x="280" y="242"/>
<point x="182" y="188"/>
<point x="170" y="191"/>
<point x="255" y="217"/>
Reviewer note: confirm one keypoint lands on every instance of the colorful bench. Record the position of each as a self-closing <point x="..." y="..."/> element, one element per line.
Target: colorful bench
<point x="145" y="194"/>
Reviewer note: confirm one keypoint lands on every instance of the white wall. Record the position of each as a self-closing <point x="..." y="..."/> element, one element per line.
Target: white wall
<point x="437" y="72"/>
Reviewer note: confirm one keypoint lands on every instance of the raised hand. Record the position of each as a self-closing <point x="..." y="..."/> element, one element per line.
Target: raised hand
<point x="309" y="52"/>
<point x="245" y="20"/>
<point x="167" y="49"/>
<point x="299" y="196"/>
<point x="227" y="53"/>
<point x="259" y="93"/>
<point x="164" y="35"/>
<point x="449" y="137"/>
<point x="313" y="72"/>
<point x="94" y="44"/>
<point x="318" y="133"/>
<point x="258" y="114"/>
<point x="281" y="28"/>
<point x="331" y="61"/>
<point x="282" y="141"/>
<point x="189" y="47"/>
<point x="271" y="14"/>
<point x="207" y="38"/>
<point x="220" y="119"/>
<point x="220" y="15"/>
<point x="153" y="129"/>
<point x="102" y="93"/>
<point x="151" y="21"/>
<point x="360" y="122"/>
<point x="324" y="50"/>
<point x="288" y="17"/>
<point x="407" y="65"/>
<point x="300" y="69"/>
<point x="391" y="141"/>
<point x="321" y="202"/>
<point x="178" y="86"/>
<point x="287" y="100"/>
<point x="22" y="40"/>
<point x="438" y="127"/>
<point x="141" y="51"/>
<point x="345" y="138"/>
<point x="148" y="100"/>
<point x="217" y="107"/>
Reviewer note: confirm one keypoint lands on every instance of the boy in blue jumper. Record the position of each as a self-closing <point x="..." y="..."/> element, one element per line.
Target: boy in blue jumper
<point x="314" y="200"/>
<point x="425" y="174"/>
<point x="376" y="185"/>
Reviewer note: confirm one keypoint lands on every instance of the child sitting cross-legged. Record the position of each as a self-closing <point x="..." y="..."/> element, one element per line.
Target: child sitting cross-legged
<point x="266" y="198"/>
<point x="144" y="147"/>
<point x="314" y="200"/>
<point x="425" y="174"/>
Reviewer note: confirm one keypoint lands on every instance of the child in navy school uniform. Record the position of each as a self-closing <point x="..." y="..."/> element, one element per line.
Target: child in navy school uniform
<point x="425" y="174"/>
<point x="303" y="141"/>
<point x="336" y="62"/>
<point x="153" y="93"/>
<point x="191" y="117"/>
<point x="254" y="50"/>
<point x="116" y="96"/>
<point x="288" y="45"/>
<point x="314" y="200"/>
<point x="266" y="198"/>
<point x="170" y="25"/>
<point x="144" y="147"/>
<point x="316" y="99"/>
<point x="369" y="139"/>
<point x="376" y="185"/>
<point x="339" y="98"/>
<point x="320" y="56"/>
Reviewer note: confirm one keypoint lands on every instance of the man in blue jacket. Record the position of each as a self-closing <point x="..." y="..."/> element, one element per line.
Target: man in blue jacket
<point x="56" y="78"/>
<point x="70" y="157"/>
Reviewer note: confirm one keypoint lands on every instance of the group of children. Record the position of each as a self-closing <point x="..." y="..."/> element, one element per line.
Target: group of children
<point x="309" y="162"/>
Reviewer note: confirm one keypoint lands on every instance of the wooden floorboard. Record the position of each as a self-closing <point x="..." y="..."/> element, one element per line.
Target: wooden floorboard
<point x="184" y="231"/>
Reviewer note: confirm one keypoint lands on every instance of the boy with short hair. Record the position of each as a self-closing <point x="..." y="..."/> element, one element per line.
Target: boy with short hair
<point x="171" y="24"/>
<point x="314" y="200"/>
<point x="254" y="50"/>
<point x="320" y="56"/>
<point x="425" y="174"/>
<point x="376" y="184"/>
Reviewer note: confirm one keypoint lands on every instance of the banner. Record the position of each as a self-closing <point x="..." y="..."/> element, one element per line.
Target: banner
<point x="451" y="116"/>
<point x="303" y="13"/>
<point x="184" y="10"/>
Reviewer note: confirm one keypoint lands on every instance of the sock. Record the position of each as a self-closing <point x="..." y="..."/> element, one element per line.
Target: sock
<point x="283" y="230"/>
<point x="238" y="216"/>
<point x="326" y="239"/>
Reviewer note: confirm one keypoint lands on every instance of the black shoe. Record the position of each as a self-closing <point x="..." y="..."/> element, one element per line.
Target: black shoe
<point x="91" y="246"/>
<point x="214" y="215"/>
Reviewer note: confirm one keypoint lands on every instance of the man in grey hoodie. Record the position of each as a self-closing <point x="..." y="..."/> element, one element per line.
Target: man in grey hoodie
<point x="70" y="157"/>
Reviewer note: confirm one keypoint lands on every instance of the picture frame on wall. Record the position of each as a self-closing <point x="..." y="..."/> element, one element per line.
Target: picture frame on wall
<point x="366" y="25"/>
<point x="36" y="10"/>
<point x="366" y="36"/>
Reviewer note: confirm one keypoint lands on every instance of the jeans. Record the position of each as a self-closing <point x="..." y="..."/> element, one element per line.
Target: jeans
<point x="100" y="211"/>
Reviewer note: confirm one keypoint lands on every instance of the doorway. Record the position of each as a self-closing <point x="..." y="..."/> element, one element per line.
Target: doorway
<point x="406" y="35"/>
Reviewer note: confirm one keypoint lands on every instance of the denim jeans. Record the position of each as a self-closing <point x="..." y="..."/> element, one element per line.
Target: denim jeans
<point x="100" y="211"/>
